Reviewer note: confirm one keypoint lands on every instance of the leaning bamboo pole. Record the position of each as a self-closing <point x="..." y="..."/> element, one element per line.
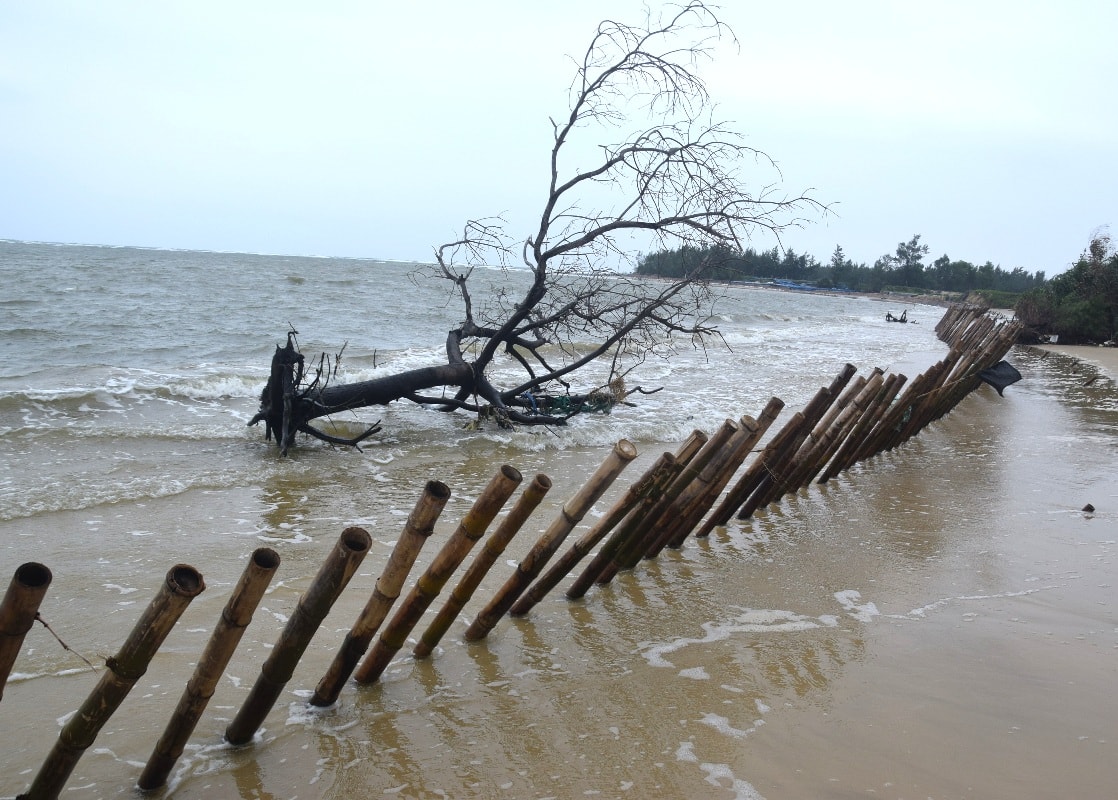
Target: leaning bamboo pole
<point x="569" y="516"/>
<point x="18" y="611"/>
<point x="777" y="469"/>
<point x="821" y="440"/>
<point x="780" y="482"/>
<point x="182" y="584"/>
<point x="417" y="530"/>
<point x="751" y="432"/>
<point x="752" y="477"/>
<point x="627" y="517"/>
<point x="754" y="431"/>
<point x="235" y="617"/>
<point x="845" y="456"/>
<point x="605" y="563"/>
<point x="862" y="437"/>
<point x="577" y="551"/>
<point x="491" y="551"/>
<point x="431" y="582"/>
<point x="691" y="482"/>
<point x="310" y="611"/>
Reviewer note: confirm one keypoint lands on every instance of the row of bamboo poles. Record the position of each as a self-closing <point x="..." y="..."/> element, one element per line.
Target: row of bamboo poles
<point x="704" y="483"/>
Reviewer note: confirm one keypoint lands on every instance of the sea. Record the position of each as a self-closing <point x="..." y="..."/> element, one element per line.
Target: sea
<point x="939" y="621"/>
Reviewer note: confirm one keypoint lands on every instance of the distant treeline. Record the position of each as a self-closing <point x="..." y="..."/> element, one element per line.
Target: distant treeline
<point x="902" y="271"/>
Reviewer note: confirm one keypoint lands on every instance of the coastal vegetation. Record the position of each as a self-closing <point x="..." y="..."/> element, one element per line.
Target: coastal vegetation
<point x="1081" y="305"/>
<point x="902" y="271"/>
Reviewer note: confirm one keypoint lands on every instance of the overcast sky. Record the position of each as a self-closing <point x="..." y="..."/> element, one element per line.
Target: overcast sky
<point x="375" y="129"/>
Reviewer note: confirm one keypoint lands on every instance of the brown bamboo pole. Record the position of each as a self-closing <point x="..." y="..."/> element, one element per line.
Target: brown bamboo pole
<point x="182" y="584"/>
<point x="18" y="610"/>
<point x="235" y="617"/>
<point x="753" y="475"/>
<point x="755" y="431"/>
<point x="577" y="551"/>
<point x="603" y="566"/>
<point x="772" y="466"/>
<point x="861" y="438"/>
<point x="569" y="516"/>
<point x="494" y="546"/>
<point x="417" y="530"/>
<point x="822" y="436"/>
<point x="782" y="471"/>
<point x="863" y="391"/>
<point x="310" y="611"/>
<point x="913" y="411"/>
<point x="692" y="481"/>
<point x="751" y="432"/>
<point x="431" y="582"/>
<point x="857" y="429"/>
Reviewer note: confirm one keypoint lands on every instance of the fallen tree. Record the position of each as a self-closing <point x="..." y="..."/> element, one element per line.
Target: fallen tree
<point x="674" y="178"/>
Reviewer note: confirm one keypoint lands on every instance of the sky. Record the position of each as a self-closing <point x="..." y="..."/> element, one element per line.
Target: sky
<point x="376" y="130"/>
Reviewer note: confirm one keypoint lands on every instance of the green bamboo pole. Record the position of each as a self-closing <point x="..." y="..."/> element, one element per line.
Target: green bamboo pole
<point x="429" y="585"/>
<point x="491" y="551"/>
<point x="565" y="563"/>
<point x="182" y="584"/>
<point x="235" y="617"/>
<point x="312" y="608"/>
<point x="18" y="610"/>
<point x="569" y="516"/>
<point x="417" y="530"/>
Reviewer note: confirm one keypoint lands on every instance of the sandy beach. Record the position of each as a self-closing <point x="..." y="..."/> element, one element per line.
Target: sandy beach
<point x="1105" y="358"/>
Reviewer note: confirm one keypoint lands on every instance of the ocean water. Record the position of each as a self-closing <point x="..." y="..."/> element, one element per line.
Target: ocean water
<point x="924" y="625"/>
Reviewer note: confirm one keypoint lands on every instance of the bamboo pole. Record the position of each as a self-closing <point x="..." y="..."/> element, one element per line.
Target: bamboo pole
<point x="235" y="617"/>
<point x="641" y="529"/>
<point x="182" y="584"/>
<point x="751" y="432"/>
<point x="494" y="546"/>
<point x="604" y="565"/>
<point x="753" y="475"/>
<point x="755" y="432"/>
<point x="310" y="611"/>
<point x="577" y="551"/>
<point x="861" y="391"/>
<point x="569" y="516"/>
<point x="867" y="448"/>
<point x="823" y="434"/>
<point x="692" y="481"/>
<point x="418" y="528"/>
<point x="429" y="585"/>
<point x="857" y="427"/>
<point x="784" y="468"/>
<point x="18" y="610"/>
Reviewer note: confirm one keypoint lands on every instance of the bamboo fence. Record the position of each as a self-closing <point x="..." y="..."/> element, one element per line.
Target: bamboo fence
<point x="706" y="482"/>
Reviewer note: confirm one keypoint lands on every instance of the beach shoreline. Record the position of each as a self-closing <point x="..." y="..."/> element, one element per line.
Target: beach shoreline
<point x="1105" y="358"/>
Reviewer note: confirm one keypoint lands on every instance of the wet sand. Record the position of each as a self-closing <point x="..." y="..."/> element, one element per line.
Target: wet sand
<point x="1105" y="358"/>
<point x="938" y="622"/>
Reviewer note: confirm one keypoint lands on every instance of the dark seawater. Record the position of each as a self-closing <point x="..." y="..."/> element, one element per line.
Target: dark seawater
<point x="938" y="622"/>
